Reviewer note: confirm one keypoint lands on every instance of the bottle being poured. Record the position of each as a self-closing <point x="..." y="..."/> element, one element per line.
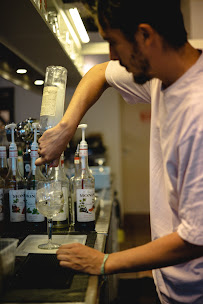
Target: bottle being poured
<point x="85" y="190"/>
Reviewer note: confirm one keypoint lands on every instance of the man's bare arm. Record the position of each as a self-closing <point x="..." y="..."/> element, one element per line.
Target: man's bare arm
<point x="54" y="141"/>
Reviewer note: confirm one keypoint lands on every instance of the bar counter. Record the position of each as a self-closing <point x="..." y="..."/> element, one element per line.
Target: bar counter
<point x="83" y="288"/>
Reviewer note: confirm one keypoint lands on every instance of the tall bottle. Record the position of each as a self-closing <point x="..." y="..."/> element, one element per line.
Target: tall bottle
<point x="2" y="185"/>
<point x="61" y="220"/>
<point x="74" y="180"/>
<point x="27" y="161"/>
<point x="3" y="162"/>
<point x="14" y="196"/>
<point x="85" y="191"/>
<point x="52" y="107"/>
<point x="35" y="221"/>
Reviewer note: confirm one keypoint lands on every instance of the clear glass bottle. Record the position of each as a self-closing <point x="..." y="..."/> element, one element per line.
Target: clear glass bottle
<point x="3" y="162"/>
<point x="85" y="191"/>
<point x="35" y="221"/>
<point x="52" y="107"/>
<point x="14" y="195"/>
<point x="61" y="220"/>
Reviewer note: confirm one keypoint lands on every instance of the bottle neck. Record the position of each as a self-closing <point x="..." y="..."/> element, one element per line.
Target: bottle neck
<point x="3" y="159"/>
<point x="13" y="168"/>
<point x="84" y="164"/>
<point x="77" y="165"/>
<point x="3" y="162"/>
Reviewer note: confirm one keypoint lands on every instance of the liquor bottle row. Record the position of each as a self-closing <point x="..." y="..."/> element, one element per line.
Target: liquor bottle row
<point x="18" y="205"/>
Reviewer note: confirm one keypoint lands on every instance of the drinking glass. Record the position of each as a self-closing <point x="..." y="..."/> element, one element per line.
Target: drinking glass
<point x="49" y="202"/>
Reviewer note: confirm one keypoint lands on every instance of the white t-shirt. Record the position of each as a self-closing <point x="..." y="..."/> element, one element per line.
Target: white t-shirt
<point x="176" y="170"/>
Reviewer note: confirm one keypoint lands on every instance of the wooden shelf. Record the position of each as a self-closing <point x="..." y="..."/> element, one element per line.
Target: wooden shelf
<point x="27" y="34"/>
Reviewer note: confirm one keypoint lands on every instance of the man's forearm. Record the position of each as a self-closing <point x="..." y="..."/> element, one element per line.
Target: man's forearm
<point x="165" y="251"/>
<point x="90" y="88"/>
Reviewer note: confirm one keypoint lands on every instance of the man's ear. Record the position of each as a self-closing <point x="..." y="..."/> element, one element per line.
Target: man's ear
<point x="145" y="33"/>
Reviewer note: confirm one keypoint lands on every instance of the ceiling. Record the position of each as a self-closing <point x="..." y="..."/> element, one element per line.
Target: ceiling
<point x="93" y="52"/>
<point x="84" y="7"/>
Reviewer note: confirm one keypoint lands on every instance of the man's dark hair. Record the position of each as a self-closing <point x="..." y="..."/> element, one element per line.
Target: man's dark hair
<point x="164" y="16"/>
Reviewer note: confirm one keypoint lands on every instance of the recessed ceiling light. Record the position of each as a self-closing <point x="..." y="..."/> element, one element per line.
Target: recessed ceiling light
<point x="39" y="82"/>
<point x="21" y="71"/>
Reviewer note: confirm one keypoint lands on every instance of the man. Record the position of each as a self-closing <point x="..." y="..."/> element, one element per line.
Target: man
<point x="149" y="40"/>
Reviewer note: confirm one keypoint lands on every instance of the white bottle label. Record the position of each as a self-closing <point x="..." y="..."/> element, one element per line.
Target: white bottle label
<point x="32" y="214"/>
<point x="1" y="205"/>
<point x="62" y="215"/>
<point x="17" y="205"/>
<point x="48" y="106"/>
<point x="85" y="199"/>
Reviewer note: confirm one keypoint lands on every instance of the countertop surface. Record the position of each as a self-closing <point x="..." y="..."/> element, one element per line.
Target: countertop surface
<point x="81" y="288"/>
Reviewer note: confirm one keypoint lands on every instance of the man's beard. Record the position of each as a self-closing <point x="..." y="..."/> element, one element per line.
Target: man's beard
<point x="142" y="64"/>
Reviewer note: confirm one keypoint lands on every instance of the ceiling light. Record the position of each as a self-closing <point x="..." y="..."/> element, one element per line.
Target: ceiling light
<point x="21" y="71"/>
<point x="39" y="82"/>
<point x="79" y="25"/>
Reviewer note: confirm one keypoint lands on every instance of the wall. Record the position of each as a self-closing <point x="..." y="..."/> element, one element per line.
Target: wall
<point x="27" y="104"/>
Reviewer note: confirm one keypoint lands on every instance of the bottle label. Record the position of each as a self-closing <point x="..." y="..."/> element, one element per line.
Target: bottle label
<point x="76" y="160"/>
<point x="62" y="215"/>
<point x="85" y="199"/>
<point x="48" y="106"/>
<point x="13" y="153"/>
<point x="17" y="205"/>
<point x="1" y="205"/>
<point x="2" y="153"/>
<point x="32" y="214"/>
<point x="83" y="152"/>
<point x="34" y="154"/>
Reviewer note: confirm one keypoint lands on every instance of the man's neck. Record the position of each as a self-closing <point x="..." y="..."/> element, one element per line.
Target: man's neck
<point x="176" y="62"/>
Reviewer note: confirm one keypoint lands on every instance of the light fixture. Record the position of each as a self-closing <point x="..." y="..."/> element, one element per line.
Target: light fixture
<point x="39" y="82"/>
<point x="79" y="25"/>
<point x="21" y="71"/>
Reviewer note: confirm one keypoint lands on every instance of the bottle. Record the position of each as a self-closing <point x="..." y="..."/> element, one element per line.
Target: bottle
<point x="61" y="220"/>
<point x="73" y="181"/>
<point x="14" y="196"/>
<point x="3" y="162"/>
<point x="2" y="185"/>
<point x="26" y="161"/>
<point x="35" y="221"/>
<point x="85" y="191"/>
<point x="20" y="162"/>
<point x="52" y="107"/>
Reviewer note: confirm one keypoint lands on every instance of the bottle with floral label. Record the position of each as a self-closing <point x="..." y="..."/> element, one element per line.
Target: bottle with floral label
<point x="35" y="221"/>
<point x="14" y="196"/>
<point x="85" y="191"/>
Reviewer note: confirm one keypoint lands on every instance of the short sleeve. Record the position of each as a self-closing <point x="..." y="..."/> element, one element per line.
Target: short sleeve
<point x="118" y="77"/>
<point x="190" y="187"/>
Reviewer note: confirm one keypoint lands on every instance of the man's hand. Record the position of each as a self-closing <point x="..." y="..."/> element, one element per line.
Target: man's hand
<point x="81" y="258"/>
<point x="52" y="143"/>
